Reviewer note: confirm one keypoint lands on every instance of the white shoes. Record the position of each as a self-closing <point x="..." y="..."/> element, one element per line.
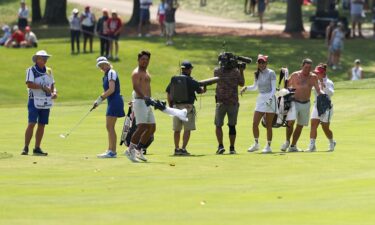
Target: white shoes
<point x="139" y="155"/>
<point x="131" y="155"/>
<point x="254" y="147"/>
<point x="267" y="149"/>
<point x="332" y="146"/>
<point x="285" y="146"/>
<point x="293" y="149"/>
<point x="311" y="148"/>
<point x="107" y="154"/>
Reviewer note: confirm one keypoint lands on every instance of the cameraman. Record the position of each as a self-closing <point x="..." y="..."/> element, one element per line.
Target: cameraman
<point x="181" y="95"/>
<point x="231" y="76"/>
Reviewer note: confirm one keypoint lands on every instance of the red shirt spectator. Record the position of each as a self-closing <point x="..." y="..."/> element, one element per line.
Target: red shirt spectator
<point x="114" y="25"/>
<point x="18" y="36"/>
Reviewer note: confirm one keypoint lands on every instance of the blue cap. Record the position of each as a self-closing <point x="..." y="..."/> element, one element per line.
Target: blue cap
<point x="186" y="65"/>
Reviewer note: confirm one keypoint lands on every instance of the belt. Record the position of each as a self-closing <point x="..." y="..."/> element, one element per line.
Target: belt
<point x="138" y="98"/>
<point x="302" y="102"/>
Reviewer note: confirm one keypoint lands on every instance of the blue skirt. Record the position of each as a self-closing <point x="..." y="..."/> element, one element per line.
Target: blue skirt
<point x="115" y="106"/>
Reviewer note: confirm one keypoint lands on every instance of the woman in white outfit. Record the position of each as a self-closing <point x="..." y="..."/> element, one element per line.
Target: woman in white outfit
<point x="327" y="86"/>
<point x="356" y="71"/>
<point x="265" y="83"/>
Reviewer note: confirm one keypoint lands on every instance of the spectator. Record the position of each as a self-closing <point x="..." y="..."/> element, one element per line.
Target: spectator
<point x="262" y="4"/>
<point x="329" y="31"/>
<point x="75" y="30"/>
<point x="356" y="13"/>
<point x="115" y="27"/>
<point x="23" y="14"/>
<point x="337" y="45"/>
<point x="30" y="39"/>
<point x="357" y="71"/>
<point x="6" y="36"/>
<point x="373" y="18"/>
<point x="203" y="3"/>
<point x="103" y="32"/>
<point x="88" y="26"/>
<point x="144" y="20"/>
<point x="170" y="20"/>
<point x="161" y="17"/>
<point x="17" y="37"/>
<point x="250" y="7"/>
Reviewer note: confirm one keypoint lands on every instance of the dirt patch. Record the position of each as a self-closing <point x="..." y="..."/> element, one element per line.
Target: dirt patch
<point x="187" y="29"/>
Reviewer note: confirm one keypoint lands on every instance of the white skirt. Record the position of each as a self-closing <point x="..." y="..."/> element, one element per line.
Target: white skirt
<point x="262" y="106"/>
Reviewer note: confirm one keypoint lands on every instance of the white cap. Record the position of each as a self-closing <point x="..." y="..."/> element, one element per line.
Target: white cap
<point x="357" y="61"/>
<point x="100" y="60"/>
<point x="114" y="11"/>
<point x="5" y="28"/>
<point x="75" y="11"/>
<point x="15" y="27"/>
<point x="40" y="53"/>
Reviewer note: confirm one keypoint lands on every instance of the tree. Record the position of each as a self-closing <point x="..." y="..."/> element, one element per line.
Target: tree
<point x="37" y="14"/>
<point x="55" y="12"/>
<point x="294" y="16"/>
<point x="134" y="19"/>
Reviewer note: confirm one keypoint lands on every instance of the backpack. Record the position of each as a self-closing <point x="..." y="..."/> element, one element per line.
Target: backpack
<point x="179" y="89"/>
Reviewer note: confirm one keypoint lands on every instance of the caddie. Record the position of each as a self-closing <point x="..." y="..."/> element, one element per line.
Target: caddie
<point x="41" y="86"/>
<point x="181" y="95"/>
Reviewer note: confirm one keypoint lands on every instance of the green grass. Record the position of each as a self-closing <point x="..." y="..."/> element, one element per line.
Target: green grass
<point x="78" y="78"/>
<point x="72" y="186"/>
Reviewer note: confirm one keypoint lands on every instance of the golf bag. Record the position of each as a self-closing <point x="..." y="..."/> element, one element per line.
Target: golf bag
<point x="129" y="128"/>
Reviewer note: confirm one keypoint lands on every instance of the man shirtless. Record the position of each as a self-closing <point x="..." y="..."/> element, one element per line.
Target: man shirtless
<point x="143" y="113"/>
<point x="302" y="81"/>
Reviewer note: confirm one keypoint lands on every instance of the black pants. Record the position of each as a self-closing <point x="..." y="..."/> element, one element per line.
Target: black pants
<point x="88" y="34"/>
<point x="22" y="23"/>
<point x="104" y="45"/>
<point x="74" y="37"/>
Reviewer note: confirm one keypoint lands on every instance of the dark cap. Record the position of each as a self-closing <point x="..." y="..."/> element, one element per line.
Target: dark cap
<point x="186" y="65"/>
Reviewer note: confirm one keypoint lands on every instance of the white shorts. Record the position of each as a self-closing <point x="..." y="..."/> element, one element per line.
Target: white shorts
<point x="300" y="112"/>
<point x="143" y="113"/>
<point x="262" y="106"/>
<point x="325" y="118"/>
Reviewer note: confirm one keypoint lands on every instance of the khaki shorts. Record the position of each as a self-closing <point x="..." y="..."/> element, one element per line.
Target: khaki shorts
<point x="169" y="28"/>
<point x="188" y="125"/>
<point x="143" y="113"/>
<point x="222" y="110"/>
<point x="300" y="112"/>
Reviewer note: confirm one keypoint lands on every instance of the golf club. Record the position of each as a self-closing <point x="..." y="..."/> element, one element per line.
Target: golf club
<point x="75" y="126"/>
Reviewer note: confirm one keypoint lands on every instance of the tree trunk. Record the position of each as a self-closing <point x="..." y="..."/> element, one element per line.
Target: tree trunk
<point x="55" y="12"/>
<point x="134" y="19"/>
<point x="294" y="16"/>
<point x="37" y="14"/>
